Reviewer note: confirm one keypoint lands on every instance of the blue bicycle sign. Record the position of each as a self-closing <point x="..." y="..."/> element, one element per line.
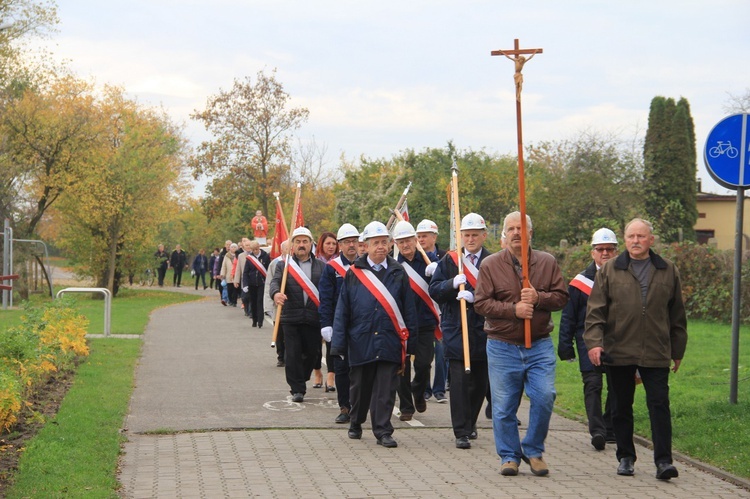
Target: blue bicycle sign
<point x="723" y="148"/>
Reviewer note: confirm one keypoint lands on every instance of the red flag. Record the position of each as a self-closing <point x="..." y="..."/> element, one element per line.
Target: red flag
<point x="299" y="220"/>
<point x="404" y="211"/>
<point x="281" y="233"/>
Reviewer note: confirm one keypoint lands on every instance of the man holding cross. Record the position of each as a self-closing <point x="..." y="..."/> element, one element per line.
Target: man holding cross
<point x="513" y="368"/>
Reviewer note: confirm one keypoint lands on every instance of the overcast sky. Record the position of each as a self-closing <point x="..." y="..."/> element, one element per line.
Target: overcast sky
<point x="381" y="76"/>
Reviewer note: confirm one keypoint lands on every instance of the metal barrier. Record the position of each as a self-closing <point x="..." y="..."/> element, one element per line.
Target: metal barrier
<point x="107" y="303"/>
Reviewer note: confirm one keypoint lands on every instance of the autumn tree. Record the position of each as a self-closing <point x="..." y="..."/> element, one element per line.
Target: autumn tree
<point x="111" y="215"/>
<point x="669" y="156"/>
<point x="49" y="134"/>
<point x="248" y="157"/>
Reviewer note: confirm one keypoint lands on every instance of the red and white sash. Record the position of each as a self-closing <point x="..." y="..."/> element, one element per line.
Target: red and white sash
<point x="252" y="259"/>
<point x="582" y="283"/>
<point x="386" y="300"/>
<point x="339" y="266"/>
<point x="419" y="286"/>
<point x="470" y="271"/>
<point x="305" y="283"/>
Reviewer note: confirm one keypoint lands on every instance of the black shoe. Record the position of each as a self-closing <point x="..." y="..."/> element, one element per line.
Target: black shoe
<point x="598" y="441"/>
<point x="260" y="325"/>
<point x="626" y="467"/>
<point x="280" y="363"/>
<point x="420" y="404"/>
<point x="665" y="471"/>
<point x="473" y="435"/>
<point x="463" y="443"/>
<point x="488" y="411"/>
<point x="611" y="438"/>
<point x="355" y="431"/>
<point x="343" y="417"/>
<point x="255" y="324"/>
<point x="298" y="397"/>
<point x="387" y="441"/>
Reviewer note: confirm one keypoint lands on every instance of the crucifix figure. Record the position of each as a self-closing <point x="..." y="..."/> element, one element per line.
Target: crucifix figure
<point x="519" y="61"/>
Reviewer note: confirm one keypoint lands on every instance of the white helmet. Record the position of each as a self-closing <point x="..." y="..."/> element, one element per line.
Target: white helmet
<point x="301" y="231"/>
<point x="403" y="229"/>
<point x="346" y="231"/>
<point x="472" y="221"/>
<point x="374" y="229"/>
<point x="427" y="226"/>
<point x="603" y="236"/>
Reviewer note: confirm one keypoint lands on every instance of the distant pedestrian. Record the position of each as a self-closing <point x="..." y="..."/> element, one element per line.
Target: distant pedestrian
<point x="162" y="263"/>
<point x="200" y="266"/>
<point x="178" y="262"/>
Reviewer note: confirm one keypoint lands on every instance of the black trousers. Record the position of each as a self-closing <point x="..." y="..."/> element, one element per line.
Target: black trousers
<point x="600" y="423"/>
<point x="373" y="387"/>
<point x="341" y="370"/>
<point x="177" y="277"/>
<point x="467" y="395"/>
<point x="200" y="276"/>
<point x="409" y="388"/>
<point x="255" y="302"/>
<point x="300" y="341"/>
<point x="621" y="385"/>
<point x="161" y="272"/>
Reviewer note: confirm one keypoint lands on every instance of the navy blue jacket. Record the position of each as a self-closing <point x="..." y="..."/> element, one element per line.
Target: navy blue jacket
<point x="425" y="317"/>
<point x="200" y="264"/>
<point x="361" y="327"/>
<point x="329" y="289"/>
<point x="442" y="291"/>
<point x="573" y="323"/>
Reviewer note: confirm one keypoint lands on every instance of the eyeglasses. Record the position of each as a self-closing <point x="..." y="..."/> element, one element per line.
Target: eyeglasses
<point x="609" y="249"/>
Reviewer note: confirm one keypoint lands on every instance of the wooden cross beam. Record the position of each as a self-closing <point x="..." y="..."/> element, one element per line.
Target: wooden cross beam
<point x="519" y="60"/>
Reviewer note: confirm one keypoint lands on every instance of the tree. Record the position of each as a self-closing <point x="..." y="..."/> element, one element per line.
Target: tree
<point x="248" y="158"/>
<point x="111" y="215"/>
<point x="578" y="185"/>
<point x="49" y="133"/>
<point x="669" y="156"/>
<point x="738" y="104"/>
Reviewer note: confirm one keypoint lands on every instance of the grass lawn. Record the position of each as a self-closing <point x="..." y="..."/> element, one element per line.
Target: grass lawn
<point x="705" y="425"/>
<point x="76" y="452"/>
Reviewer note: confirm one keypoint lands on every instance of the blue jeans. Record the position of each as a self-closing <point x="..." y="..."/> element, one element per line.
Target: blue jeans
<point x="513" y="369"/>
<point x="438" y="385"/>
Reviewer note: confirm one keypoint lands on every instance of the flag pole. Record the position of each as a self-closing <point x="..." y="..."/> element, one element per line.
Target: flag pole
<point x="399" y="204"/>
<point x="400" y="218"/>
<point x="284" y="275"/>
<point x="519" y="61"/>
<point x="459" y="260"/>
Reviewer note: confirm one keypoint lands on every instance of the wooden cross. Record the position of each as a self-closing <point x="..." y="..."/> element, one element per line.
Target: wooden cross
<point x="520" y="60"/>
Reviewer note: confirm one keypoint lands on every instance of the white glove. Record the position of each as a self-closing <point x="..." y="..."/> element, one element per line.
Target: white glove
<point x="430" y="269"/>
<point x="465" y="295"/>
<point x="327" y="333"/>
<point x="245" y="289"/>
<point x="458" y="280"/>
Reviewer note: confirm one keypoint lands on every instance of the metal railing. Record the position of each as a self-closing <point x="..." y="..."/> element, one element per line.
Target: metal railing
<point x="107" y="303"/>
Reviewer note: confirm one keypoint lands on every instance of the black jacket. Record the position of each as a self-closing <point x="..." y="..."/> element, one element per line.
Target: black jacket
<point x="295" y="311"/>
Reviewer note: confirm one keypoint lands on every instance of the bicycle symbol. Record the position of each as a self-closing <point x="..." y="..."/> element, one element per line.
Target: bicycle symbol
<point x="722" y="148"/>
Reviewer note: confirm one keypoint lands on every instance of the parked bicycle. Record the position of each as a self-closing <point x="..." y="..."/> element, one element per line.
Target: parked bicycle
<point x="147" y="278"/>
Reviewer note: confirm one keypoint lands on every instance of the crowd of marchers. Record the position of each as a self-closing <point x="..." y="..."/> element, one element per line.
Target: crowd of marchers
<point x="402" y="320"/>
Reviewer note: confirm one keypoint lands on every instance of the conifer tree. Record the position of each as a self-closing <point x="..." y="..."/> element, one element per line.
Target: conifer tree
<point x="669" y="156"/>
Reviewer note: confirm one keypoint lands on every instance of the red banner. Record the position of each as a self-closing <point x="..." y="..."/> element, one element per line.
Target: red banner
<point x="281" y="234"/>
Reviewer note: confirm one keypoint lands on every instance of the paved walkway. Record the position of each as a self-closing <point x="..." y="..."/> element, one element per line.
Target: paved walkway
<point x="211" y="416"/>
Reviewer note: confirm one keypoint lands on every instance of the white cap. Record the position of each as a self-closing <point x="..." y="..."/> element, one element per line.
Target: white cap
<point x="472" y="221"/>
<point x="374" y="229"/>
<point x="427" y="226"/>
<point x="301" y="231"/>
<point x="346" y="231"/>
<point x="403" y="229"/>
<point x="603" y="236"/>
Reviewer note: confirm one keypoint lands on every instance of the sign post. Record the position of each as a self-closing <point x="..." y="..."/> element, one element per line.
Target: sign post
<point x="727" y="157"/>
